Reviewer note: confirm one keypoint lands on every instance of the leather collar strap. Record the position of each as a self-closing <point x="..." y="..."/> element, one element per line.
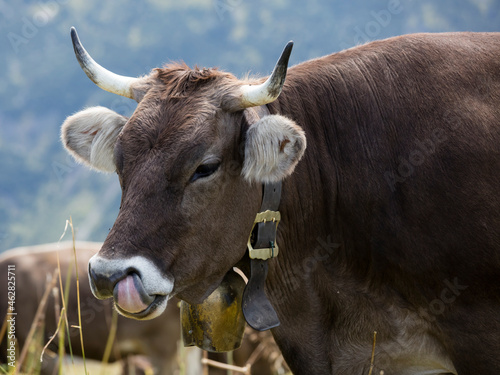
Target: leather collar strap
<point x="262" y="242"/>
<point x="257" y="309"/>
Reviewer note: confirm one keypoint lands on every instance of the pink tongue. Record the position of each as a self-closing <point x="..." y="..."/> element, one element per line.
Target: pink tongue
<point x="127" y="296"/>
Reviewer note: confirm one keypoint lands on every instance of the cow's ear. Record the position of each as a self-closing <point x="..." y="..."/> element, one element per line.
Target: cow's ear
<point x="273" y="147"/>
<point x="90" y="136"/>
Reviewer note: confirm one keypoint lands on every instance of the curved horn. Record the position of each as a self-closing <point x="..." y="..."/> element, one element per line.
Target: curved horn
<point x="267" y="92"/>
<point x="102" y="77"/>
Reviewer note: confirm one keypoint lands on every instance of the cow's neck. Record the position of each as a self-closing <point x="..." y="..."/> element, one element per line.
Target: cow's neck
<point x="324" y="261"/>
<point x="299" y="279"/>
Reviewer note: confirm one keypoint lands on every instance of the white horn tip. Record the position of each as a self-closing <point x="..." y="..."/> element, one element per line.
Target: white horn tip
<point x="267" y="92"/>
<point x="106" y="80"/>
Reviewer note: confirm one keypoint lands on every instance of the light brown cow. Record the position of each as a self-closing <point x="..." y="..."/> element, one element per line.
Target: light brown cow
<point x="34" y="264"/>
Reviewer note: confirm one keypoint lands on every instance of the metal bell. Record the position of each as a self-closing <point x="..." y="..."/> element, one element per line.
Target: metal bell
<point x="217" y="324"/>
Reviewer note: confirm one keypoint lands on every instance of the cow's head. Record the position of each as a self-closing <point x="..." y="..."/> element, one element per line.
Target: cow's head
<point x="191" y="162"/>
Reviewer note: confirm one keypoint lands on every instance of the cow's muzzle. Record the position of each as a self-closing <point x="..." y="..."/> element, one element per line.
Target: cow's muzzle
<point x="139" y="289"/>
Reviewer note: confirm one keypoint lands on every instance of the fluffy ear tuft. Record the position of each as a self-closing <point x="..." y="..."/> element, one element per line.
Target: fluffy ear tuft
<point x="274" y="146"/>
<point x="90" y="136"/>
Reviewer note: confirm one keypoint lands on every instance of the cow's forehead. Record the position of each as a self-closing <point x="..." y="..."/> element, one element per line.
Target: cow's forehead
<point x="167" y="116"/>
<point x="181" y="99"/>
<point x="184" y="128"/>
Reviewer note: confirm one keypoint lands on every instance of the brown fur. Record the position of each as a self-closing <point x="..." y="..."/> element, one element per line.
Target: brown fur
<point x="180" y="80"/>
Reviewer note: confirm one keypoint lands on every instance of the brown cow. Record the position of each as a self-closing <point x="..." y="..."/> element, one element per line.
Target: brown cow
<point x="389" y="223"/>
<point x="156" y="339"/>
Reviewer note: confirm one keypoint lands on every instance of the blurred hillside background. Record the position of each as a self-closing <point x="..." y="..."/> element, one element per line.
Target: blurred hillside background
<point x="41" y="82"/>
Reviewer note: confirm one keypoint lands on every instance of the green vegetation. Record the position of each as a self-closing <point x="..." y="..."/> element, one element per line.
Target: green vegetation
<point x="41" y="81"/>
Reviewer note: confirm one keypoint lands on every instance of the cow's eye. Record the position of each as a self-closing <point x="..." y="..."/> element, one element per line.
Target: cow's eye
<point x="205" y="170"/>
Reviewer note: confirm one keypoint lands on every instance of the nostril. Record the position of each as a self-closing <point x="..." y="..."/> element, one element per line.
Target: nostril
<point x="101" y="284"/>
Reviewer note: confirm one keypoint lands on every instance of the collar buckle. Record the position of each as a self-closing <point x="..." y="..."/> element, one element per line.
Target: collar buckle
<point x="265" y="244"/>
